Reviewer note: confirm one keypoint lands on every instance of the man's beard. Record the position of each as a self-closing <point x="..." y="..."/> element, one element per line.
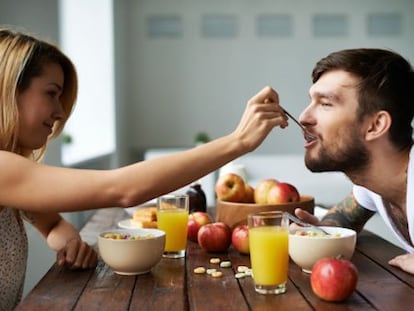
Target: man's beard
<point x="350" y="159"/>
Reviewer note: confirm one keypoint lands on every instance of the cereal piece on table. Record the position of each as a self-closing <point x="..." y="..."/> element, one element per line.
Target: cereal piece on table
<point x="217" y="274"/>
<point x="211" y="271"/>
<point x="200" y="270"/>
<point x="242" y="268"/>
<point x="215" y="260"/>
<point x="225" y="264"/>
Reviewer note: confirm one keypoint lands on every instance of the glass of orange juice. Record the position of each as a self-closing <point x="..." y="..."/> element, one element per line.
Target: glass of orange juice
<point x="172" y="218"/>
<point x="268" y="241"/>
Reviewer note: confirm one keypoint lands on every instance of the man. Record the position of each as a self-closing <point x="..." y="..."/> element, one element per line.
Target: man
<point x="361" y="110"/>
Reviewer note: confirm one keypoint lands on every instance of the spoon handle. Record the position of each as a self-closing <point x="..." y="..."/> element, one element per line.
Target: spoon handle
<point x="301" y="222"/>
<point x="294" y="119"/>
<point x="305" y="131"/>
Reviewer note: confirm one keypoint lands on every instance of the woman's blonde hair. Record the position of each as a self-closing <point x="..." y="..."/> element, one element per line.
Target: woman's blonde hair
<point x="22" y="58"/>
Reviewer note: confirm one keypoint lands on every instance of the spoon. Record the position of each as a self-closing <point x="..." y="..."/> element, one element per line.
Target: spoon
<point x="305" y="224"/>
<point x="308" y="136"/>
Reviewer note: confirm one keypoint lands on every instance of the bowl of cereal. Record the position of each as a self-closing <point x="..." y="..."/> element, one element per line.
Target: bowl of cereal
<point x="308" y="245"/>
<point x="131" y="251"/>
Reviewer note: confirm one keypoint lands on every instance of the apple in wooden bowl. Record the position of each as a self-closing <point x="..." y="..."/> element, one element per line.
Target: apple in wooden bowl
<point x="236" y="198"/>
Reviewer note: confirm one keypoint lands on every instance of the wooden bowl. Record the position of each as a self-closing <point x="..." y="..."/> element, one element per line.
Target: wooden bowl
<point x="234" y="214"/>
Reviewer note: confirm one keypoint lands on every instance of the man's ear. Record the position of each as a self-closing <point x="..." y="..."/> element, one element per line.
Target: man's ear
<point x="379" y="125"/>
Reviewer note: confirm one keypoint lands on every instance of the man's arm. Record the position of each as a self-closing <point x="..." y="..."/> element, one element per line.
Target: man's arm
<point x="347" y="213"/>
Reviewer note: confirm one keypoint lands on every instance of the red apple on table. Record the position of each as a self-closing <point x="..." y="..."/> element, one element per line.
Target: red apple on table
<point x="262" y="190"/>
<point x="230" y="187"/>
<point x="248" y="194"/>
<point x="214" y="237"/>
<point x="240" y="239"/>
<point x="282" y="192"/>
<point x="195" y="221"/>
<point x="333" y="279"/>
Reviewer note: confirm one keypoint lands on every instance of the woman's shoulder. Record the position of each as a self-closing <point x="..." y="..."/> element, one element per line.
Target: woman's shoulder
<point x="12" y="160"/>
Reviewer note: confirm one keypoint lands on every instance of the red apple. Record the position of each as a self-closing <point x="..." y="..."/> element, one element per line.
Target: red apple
<point x="248" y="194"/>
<point x="240" y="239"/>
<point x="195" y="221"/>
<point x="230" y="187"/>
<point x="262" y="189"/>
<point x="282" y="193"/>
<point x="214" y="237"/>
<point x="333" y="279"/>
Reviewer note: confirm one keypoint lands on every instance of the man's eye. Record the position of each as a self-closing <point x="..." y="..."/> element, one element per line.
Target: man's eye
<point x="326" y="104"/>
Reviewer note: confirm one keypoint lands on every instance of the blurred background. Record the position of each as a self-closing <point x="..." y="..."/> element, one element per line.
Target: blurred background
<point x="155" y="73"/>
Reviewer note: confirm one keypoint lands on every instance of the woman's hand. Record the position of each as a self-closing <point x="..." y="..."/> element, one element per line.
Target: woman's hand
<point x="404" y="262"/>
<point x="261" y="115"/>
<point x="62" y="237"/>
<point x="77" y="254"/>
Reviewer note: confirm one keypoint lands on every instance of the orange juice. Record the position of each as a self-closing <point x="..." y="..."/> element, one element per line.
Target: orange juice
<point x="269" y="254"/>
<point x="174" y="223"/>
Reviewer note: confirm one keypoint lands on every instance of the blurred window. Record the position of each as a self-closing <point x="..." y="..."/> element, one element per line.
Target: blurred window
<point x="86" y="32"/>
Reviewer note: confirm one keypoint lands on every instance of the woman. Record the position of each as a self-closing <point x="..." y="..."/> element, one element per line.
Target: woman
<point x="38" y="88"/>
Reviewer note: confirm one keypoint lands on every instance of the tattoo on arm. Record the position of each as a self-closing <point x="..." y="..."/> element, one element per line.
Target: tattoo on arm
<point x="348" y="213"/>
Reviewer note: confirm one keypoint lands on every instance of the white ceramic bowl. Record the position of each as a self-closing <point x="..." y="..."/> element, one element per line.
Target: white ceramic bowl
<point x="306" y="250"/>
<point x="130" y="257"/>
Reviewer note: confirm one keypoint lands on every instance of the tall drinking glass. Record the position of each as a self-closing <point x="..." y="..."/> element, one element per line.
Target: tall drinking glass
<point x="268" y="240"/>
<point x="172" y="218"/>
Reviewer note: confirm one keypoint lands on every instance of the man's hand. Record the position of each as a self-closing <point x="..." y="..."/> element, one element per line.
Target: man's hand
<point x="77" y="254"/>
<point x="307" y="217"/>
<point x="404" y="262"/>
<point x="347" y="213"/>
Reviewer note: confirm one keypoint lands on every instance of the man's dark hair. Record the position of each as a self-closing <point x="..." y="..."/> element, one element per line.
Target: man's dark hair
<point x="386" y="83"/>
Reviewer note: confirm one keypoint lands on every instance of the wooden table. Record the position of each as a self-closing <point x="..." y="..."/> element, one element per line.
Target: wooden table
<point x="172" y="285"/>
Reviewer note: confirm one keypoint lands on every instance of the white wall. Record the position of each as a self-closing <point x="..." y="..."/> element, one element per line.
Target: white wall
<point x="167" y="90"/>
<point x="181" y="85"/>
<point x="89" y="44"/>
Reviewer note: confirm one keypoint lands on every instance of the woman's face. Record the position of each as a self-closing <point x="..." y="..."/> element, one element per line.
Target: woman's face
<point x="40" y="107"/>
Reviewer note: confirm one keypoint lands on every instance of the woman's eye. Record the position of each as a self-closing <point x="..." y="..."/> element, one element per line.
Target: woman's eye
<point x="52" y="94"/>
